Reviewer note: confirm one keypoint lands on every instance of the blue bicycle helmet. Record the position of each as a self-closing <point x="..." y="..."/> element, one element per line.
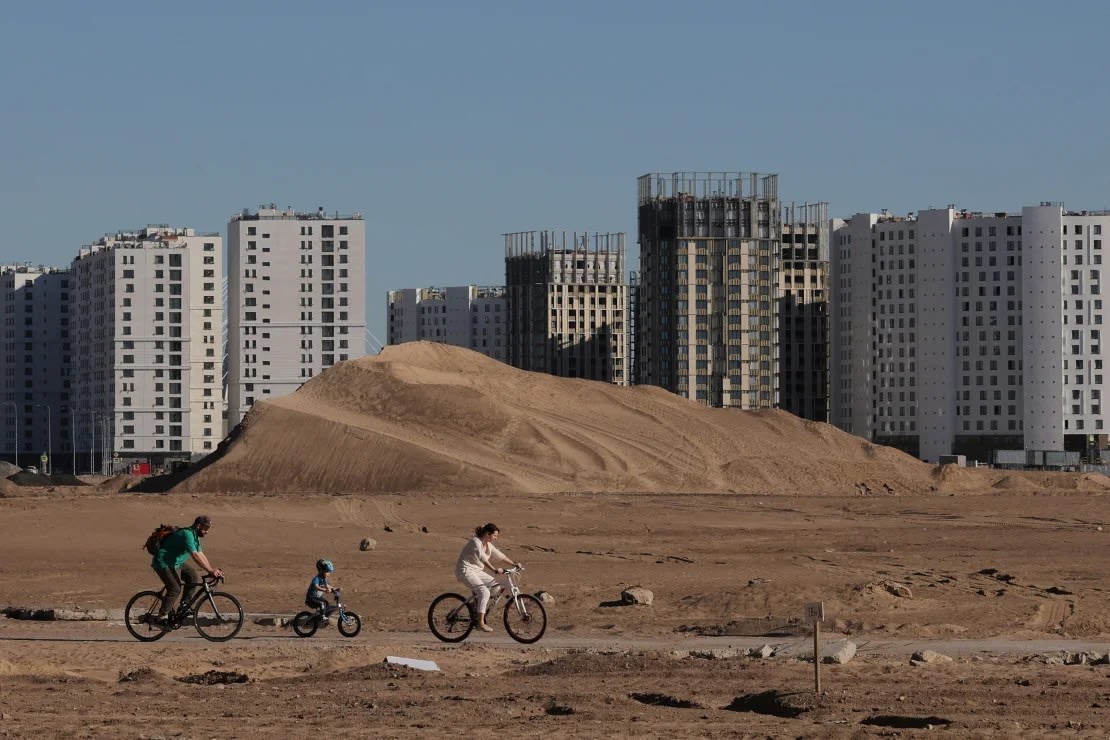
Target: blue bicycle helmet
<point x="324" y="566"/>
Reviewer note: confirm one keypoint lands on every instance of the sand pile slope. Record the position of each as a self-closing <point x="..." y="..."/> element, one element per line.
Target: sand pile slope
<point x="431" y="417"/>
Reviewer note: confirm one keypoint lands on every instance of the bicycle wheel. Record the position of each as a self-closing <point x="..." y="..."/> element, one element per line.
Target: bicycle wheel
<point x="449" y="618"/>
<point x="304" y="624"/>
<point x="350" y="624"/>
<point x="219" y="616"/>
<point x="139" y="616"/>
<point x="525" y="623"/>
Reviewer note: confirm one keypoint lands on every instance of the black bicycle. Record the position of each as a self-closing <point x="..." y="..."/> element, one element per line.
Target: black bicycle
<point x="217" y="616"/>
<point x="452" y="617"/>
<point x="306" y="623"/>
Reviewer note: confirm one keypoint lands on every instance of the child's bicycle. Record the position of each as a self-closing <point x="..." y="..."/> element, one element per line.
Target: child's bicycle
<point x="306" y="623"/>
<point x="452" y="617"/>
<point x="217" y="616"/>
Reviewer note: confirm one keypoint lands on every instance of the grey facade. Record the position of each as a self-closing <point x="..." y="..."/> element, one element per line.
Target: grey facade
<point x="471" y="316"/>
<point x="36" y="363"/>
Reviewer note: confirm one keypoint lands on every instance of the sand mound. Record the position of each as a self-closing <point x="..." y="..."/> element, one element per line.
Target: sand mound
<point x="956" y="478"/>
<point x="121" y="482"/>
<point x="431" y="417"/>
<point x="1017" y="481"/>
<point x="952" y="478"/>
<point x="1092" y="482"/>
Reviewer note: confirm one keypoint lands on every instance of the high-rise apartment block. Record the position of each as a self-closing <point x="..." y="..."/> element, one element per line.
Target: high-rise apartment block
<point x="707" y="311"/>
<point x="803" y="311"/>
<point x="297" y="295"/>
<point x="147" y="360"/>
<point x="966" y="333"/>
<point x="567" y="304"/>
<point x="469" y="316"/>
<point x="36" y="417"/>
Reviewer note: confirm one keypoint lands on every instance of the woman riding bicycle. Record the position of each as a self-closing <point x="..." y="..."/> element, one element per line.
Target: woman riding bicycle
<point x="476" y="556"/>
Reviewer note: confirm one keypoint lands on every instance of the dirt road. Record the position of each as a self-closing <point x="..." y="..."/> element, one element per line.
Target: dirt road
<point x="998" y="581"/>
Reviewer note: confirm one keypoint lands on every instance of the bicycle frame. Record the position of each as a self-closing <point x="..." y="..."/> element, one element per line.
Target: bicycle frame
<point x="200" y="594"/>
<point x="514" y="589"/>
<point x="335" y="608"/>
<point x="216" y="615"/>
<point x="495" y="597"/>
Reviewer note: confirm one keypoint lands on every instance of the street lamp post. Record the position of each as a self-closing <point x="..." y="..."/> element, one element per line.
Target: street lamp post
<point x="73" y="437"/>
<point x="15" y="415"/>
<point x="92" y="443"/>
<point x="110" y="441"/>
<point x="105" y="450"/>
<point x="49" y="441"/>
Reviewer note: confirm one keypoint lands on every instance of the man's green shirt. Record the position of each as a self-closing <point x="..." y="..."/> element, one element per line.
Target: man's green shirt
<point x="176" y="548"/>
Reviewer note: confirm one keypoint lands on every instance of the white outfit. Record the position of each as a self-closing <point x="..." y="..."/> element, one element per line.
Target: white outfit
<point x="471" y="569"/>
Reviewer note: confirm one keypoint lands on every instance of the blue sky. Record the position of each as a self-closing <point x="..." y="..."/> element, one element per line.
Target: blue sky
<point x="448" y="124"/>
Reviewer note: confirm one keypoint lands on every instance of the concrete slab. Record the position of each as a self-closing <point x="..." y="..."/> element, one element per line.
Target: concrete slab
<point x="420" y="665"/>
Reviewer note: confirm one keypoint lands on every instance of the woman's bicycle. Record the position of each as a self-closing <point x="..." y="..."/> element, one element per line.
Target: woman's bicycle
<point x="216" y="615"/>
<point x="306" y="623"/>
<point x="452" y="617"/>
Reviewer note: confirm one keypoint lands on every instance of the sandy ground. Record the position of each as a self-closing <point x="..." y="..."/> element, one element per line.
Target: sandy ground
<point x="733" y="520"/>
<point x="1024" y="567"/>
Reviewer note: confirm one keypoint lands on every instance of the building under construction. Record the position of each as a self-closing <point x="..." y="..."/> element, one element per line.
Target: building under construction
<point x="567" y="304"/>
<point x="707" y="312"/>
<point x="803" y="311"/>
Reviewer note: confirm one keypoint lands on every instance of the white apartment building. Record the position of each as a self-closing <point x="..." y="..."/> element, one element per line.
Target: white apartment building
<point x="470" y="316"/>
<point x="147" y="352"/>
<point x="964" y="333"/>
<point x="297" y="296"/>
<point x="35" y="412"/>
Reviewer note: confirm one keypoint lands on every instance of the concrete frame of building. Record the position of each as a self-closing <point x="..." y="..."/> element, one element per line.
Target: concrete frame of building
<point x="803" y="311"/>
<point x="707" y="289"/>
<point x="568" y="304"/>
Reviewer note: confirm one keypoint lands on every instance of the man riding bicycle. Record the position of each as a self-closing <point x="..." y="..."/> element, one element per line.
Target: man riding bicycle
<point x="174" y="564"/>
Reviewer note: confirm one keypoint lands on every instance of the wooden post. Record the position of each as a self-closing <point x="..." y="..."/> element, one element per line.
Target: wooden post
<point x="816" y="658"/>
<point x="815" y="613"/>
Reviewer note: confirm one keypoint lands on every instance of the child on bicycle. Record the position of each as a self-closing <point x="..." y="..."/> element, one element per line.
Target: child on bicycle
<point x="318" y="587"/>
